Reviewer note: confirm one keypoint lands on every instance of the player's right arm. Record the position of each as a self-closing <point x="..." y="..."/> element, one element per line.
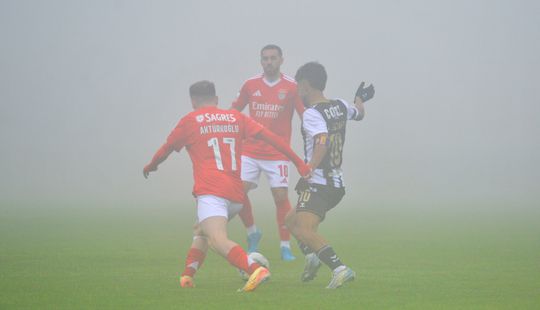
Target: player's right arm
<point x="242" y="99"/>
<point x="175" y="142"/>
<point x="319" y="150"/>
<point x="315" y="126"/>
<point x="161" y="155"/>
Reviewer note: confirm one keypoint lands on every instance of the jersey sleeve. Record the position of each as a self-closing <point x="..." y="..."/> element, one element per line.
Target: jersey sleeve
<point x="313" y="122"/>
<point x="252" y="127"/>
<point x="242" y="99"/>
<point x="352" y="111"/>
<point x="182" y="134"/>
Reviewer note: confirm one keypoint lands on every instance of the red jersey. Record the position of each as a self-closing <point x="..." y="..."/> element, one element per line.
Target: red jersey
<point x="272" y="105"/>
<point x="213" y="138"/>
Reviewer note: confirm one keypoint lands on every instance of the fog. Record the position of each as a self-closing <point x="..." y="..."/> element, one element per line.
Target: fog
<point x="90" y="89"/>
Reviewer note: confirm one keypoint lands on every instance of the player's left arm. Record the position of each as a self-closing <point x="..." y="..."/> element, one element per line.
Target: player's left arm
<point x="362" y="95"/>
<point x="360" y="110"/>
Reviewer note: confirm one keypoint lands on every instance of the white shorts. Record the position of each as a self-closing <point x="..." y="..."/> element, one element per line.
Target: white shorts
<point x="276" y="171"/>
<point x="210" y="205"/>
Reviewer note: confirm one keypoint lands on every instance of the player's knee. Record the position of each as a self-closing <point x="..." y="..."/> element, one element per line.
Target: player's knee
<point x="280" y="197"/>
<point x="197" y="231"/>
<point x="296" y="230"/>
<point x="302" y="235"/>
<point x="216" y="240"/>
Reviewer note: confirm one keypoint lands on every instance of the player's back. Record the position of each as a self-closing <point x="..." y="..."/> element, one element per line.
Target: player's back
<point x="215" y="146"/>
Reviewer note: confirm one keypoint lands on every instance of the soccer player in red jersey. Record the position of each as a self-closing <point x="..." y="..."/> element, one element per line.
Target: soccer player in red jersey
<point x="213" y="138"/>
<point x="271" y="98"/>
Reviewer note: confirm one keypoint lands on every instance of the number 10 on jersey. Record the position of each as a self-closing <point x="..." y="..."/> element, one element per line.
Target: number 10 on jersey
<point x="214" y="144"/>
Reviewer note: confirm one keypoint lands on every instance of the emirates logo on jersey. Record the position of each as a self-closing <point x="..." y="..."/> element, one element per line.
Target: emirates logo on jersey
<point x="282" y="94"/>
<point x="266" y="110"/>
<point x="199" y="118"/>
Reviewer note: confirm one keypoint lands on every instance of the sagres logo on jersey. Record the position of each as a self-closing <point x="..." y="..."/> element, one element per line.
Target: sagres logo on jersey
<point x="199" y="118"/>
<point x="282" y="94"/>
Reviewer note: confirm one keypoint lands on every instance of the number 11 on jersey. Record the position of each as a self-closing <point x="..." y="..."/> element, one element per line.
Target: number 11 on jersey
<point x="214" y="144"/>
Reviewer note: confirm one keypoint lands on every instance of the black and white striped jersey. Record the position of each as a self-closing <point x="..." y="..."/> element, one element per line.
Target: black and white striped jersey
<point x="330" y="118"/>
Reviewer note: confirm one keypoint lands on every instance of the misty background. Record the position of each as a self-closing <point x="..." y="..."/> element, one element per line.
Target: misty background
<point x="90" y="89"/>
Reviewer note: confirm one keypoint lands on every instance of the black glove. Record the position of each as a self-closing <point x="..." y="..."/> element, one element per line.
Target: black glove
<point x="301" y="186"/>
<point x="365" y="93"/>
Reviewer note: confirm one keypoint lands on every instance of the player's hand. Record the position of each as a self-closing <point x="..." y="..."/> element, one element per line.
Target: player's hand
<point x="365" y="93"/>
<point x="147" y="169"/>
<point x="304" y="170"/>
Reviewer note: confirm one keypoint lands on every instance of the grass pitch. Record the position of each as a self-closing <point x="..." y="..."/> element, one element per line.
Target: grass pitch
<point x="120" y="257"/>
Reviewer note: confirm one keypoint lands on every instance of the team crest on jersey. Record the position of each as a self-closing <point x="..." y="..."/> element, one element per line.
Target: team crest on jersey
<point x="282" y="94"/>
<point x="199" y="118"/>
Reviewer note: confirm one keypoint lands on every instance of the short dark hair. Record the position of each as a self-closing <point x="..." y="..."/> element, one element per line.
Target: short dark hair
<point x="272" y="47"/>
<point x="202" y="90"/>
<point x="314" y="73"/>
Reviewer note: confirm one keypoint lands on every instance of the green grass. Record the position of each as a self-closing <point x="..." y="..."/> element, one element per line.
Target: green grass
<point x="119" y="257"/>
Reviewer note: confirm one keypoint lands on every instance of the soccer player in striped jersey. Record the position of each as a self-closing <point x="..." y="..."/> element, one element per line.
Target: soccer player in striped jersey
<point x="323" y="129"/>
<point x="213" y="138"/>
<point x="271" y="98"/>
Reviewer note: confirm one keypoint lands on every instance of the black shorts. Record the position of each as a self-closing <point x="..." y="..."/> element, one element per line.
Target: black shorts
<point x="318" y="199"/>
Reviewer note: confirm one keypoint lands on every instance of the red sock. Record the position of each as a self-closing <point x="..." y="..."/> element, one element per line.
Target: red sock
<point x="282" y="208"/>
<point x="246" y="214"/>
<point x="239" y="259"/>
<point x="194" y="260"/>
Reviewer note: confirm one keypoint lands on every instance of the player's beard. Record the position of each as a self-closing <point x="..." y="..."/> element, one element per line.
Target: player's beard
<point x="271" y="71"/>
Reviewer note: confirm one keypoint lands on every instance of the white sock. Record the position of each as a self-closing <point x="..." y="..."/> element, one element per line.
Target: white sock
<point x="284" y="243"/>
<point x="250" y="260"/>
<point x="252" y="229"/>
<point x="338" y="269"/>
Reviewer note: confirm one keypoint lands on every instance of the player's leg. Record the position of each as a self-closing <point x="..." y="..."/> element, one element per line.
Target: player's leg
<point x="259" y="275"/>
<point x="216" y="230"/>
<point x="283" y="207"/>
<point x="304" y="227"/>
<point x="195" y="257"/>
<point x="254" y="234"/>
<point x="246" y="214"/>
<point x="277" y="173"/>
<point x="304" y="222"/>
<point x="213" y="213"/>
<point x="250" y="177"/>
